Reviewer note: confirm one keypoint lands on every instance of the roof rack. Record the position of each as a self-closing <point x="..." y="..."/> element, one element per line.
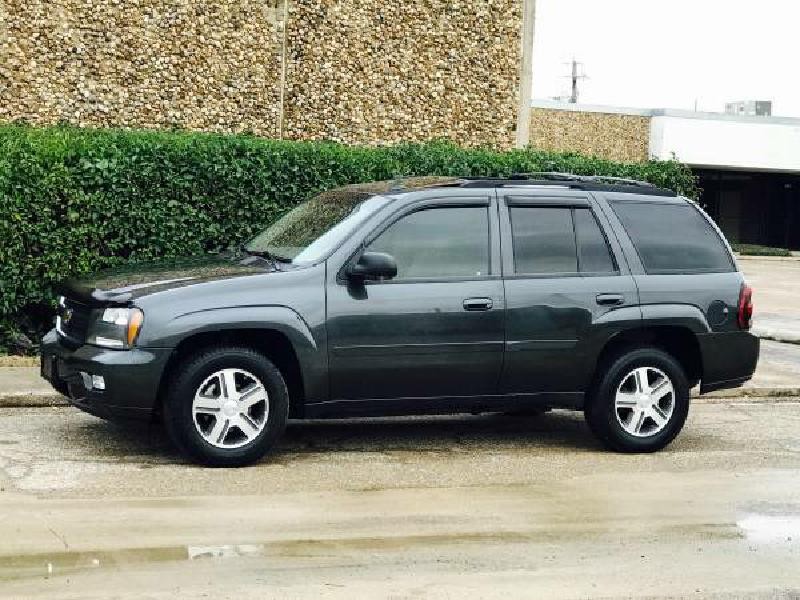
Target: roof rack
<point x="598" y="183"/>
<point x="556" y="176"/>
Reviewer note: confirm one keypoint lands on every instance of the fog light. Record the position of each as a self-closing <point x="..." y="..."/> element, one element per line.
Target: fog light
<point x="98" y="382"/>
<point x="93" y="382"/>
<point x="87" y="380"/>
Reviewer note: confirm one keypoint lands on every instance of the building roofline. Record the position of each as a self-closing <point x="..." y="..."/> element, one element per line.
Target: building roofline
<point x="597" y="108"/>
<point x="663" y="112"/>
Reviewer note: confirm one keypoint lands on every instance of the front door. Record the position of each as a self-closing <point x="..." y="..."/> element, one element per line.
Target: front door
<point x="436" y="330"/>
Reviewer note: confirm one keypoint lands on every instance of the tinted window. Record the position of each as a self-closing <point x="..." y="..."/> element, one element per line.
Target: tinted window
<point x="544" y="240"/>
<point x="314" y="228"/>
<point x="441" y="242"/>
<point x="593" y="253"/>
<point x="673" y="237"/>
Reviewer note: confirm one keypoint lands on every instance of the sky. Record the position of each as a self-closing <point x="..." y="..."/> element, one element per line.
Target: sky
<point x="671" y="53"/>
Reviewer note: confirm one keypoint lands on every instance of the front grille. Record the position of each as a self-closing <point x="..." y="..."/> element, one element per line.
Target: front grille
<point x="73" y="320"/>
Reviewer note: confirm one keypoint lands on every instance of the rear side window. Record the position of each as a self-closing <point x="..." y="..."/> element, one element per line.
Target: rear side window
<point x="544" y="240"/>
<point x="673" y="238"/>
<point x="558" y="240"/>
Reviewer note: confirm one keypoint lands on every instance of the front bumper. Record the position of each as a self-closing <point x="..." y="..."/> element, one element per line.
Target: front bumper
<point x="131" y="377"/>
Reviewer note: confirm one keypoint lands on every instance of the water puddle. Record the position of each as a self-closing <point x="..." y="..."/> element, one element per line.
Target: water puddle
<point x="58" y="564"/>
<point x="770" y="529"/>
<point x="64" y="563"/>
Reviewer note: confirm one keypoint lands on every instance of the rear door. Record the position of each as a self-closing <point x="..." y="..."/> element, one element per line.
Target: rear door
<point x="568" y="290"/>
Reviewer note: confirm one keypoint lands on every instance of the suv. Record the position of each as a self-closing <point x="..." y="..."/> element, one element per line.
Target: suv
<point x="538" y="291"/>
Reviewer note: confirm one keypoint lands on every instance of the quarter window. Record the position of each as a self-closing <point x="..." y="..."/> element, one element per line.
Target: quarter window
<point x="438" y="242"/>
<point x="558" y="240"/>
<point x="673" y="238"/>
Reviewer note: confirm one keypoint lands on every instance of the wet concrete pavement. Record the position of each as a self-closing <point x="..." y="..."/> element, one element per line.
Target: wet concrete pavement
<point x="444" y="507"/>
<point x="776" y="295"/>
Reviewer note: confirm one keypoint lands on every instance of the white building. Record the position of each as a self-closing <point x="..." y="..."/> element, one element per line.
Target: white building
<point x="748" y="167"/>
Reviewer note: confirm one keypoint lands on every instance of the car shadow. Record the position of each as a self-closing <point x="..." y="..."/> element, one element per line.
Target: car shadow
<point x="431" y="433"/>
<point x="148" y="444"/>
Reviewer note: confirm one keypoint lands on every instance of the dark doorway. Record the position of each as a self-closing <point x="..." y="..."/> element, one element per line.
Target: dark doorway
<point x="753" y="207"/>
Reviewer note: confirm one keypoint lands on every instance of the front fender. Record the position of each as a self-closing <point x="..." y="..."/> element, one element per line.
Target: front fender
<point x="308" y="344"/>
<point x="279" y="318"/>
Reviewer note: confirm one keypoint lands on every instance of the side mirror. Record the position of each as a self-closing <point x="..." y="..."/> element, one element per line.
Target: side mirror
<point x="373" y="265"/>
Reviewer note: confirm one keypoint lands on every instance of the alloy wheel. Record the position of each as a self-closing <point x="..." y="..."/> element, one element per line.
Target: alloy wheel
<point x="230" y="408"/>
<point x="644" y="402"/>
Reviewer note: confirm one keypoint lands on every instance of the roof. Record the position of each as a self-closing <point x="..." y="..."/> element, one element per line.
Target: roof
<point x="363" y="191"/>
<point x="596" y="183"/>
<point x="664" y="112"/>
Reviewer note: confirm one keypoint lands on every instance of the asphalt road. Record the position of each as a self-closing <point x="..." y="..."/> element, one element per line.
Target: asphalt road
<point x="446" y="507"/>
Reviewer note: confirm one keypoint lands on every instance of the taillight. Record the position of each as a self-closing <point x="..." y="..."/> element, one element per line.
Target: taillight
<point x="745" y="313"/>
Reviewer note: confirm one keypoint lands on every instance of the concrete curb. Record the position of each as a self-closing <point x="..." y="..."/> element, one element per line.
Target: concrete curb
<point x="768" y="258"/>
<point x="776" y="336"/>
<point x="764" y="393"/>
<point x="29" y="400"/>
<point x="12" y="360"/>
<point x="774" y="394"/>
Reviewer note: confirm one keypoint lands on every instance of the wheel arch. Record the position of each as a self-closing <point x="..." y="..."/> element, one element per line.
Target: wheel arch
<point x="678" y="341"/>
<point x="272" y="342"/>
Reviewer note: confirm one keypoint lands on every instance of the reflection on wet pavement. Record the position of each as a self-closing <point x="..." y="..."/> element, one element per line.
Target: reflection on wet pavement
<point x="64" y="563"/>
<point x="768" y="529"/>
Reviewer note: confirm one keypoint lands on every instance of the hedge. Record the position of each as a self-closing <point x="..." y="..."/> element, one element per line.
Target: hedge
<point x="759" y="250"/>
<point x="76" y="200"/>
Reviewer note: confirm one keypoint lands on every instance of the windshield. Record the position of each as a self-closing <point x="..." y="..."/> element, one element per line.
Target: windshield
<point x="314" y="228"/>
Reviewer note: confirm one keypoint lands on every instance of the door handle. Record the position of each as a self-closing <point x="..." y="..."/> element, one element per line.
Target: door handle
<point x="610" y="299"/>
<point x="476" y="304"/>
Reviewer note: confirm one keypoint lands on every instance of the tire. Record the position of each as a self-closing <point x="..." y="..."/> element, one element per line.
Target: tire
<point x="219" y="427"/>
<point x="620" y="415"/>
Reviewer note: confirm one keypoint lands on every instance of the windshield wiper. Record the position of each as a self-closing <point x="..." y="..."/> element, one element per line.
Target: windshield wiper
<point x="275" y="259"/>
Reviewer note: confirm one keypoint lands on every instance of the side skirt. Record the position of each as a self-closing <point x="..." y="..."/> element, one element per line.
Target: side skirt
<point x="442" y="405"/>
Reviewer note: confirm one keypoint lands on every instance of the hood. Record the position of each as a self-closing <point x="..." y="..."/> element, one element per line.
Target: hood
<point x="123" y="284"/>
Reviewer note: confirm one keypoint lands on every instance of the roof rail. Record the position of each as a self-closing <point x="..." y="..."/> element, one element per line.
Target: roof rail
<point x="556" y="176"/>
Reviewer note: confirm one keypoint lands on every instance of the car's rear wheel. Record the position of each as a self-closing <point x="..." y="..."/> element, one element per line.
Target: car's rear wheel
<point x="226" y="406"/>
<point x="640" y="402"/>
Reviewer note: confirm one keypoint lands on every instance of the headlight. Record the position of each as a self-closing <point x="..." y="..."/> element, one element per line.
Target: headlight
<point x="116" y="328"/>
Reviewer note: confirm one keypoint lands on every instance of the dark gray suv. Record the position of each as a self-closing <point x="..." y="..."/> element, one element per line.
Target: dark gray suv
<point x="424" y="296"/>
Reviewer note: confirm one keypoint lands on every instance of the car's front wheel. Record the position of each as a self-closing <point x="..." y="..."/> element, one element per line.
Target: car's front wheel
<point x="640" y="402"/>
<point x="226" y="406"/>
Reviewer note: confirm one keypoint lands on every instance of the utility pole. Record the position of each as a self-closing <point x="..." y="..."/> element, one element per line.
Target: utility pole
<point x="576" y="75"/>
<point x="526" y="73"/>
<point x="284" y="23"/>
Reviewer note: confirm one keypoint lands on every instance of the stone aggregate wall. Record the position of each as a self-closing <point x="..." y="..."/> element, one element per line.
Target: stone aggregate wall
<point x="355" y="71"/>
<point x="364" y="70"/>
<point x="607" y="135"/>
<point x="136" y="63"/>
